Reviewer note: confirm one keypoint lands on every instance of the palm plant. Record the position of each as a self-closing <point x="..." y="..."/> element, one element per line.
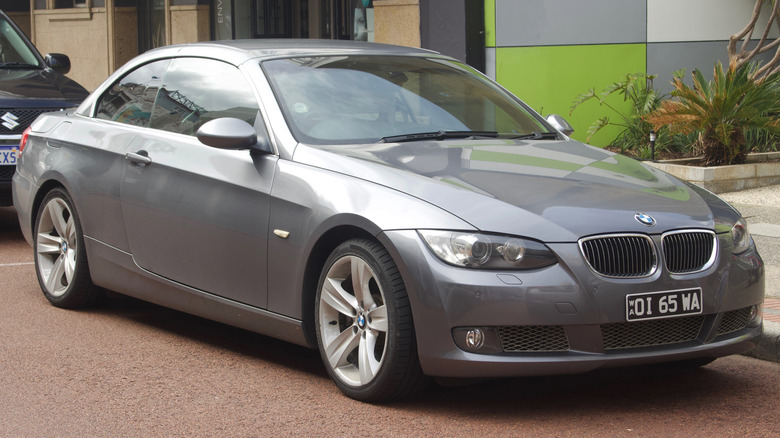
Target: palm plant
<point x="637" y="89"/>
<point x="721" y="111"/>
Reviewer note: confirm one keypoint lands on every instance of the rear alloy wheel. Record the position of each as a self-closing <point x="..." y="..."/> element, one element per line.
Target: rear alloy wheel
<point x="364" y="324"/>
<point x="60" y="258"/>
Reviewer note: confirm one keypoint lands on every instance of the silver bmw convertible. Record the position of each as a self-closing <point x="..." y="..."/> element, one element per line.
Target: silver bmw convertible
<point x="390" y="207"/>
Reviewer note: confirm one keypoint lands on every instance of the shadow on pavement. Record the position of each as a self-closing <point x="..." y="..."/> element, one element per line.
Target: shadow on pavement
<point x="9" y="224"/>
<point x="220" y="335"/>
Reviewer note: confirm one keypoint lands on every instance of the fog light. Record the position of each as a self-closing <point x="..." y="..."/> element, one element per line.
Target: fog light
<point x="475" y="339"/>
<point x="482" y="340"/>
<point x="756" y="316"/>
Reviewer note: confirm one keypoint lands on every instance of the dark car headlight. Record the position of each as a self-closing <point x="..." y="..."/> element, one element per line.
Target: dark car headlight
<point x="477" y="250"/>
<point x="740" y="237"/>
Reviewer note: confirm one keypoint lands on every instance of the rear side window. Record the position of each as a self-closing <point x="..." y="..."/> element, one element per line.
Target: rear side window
<point x="131" y="99"/>
<point x="197" y="90"/>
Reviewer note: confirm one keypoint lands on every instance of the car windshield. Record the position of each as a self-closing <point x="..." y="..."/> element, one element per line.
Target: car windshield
<point x="14" y="52"/>
<point x="367" y="99"/>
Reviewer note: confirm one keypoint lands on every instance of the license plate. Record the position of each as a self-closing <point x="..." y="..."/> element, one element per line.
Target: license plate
<point x="8" y="155"/>
<point x="668" y="304"/>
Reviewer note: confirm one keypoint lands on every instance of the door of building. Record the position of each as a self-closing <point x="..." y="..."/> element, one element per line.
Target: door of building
<point x="151" y="24"/>
<point x="274" y="18"/>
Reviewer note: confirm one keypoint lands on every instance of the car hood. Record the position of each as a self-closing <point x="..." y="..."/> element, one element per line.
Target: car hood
<point x="550" y="190"/>
<point x="29" y="88"/>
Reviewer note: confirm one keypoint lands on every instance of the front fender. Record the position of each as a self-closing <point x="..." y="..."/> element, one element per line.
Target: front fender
<point x="307" y="203"/>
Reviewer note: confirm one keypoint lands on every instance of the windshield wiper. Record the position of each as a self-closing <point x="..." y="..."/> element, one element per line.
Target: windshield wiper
<point x="17" y="65"/>
<point x="438" y="135"/>
<point x="536" y="135"/>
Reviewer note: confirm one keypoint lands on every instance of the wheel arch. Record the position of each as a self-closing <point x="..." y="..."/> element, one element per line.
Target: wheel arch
<point x="319" y="253"/>
<point x="45" y="188"/>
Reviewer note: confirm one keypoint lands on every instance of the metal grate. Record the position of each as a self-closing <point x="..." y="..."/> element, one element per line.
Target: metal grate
<point x="651" y="333"/>
<point x="688" y="251"/>
<point x="22" y="118"/>
<point x="528" y="339"/>
<point x="620" y="256"/>
<point x="734" y="321"/>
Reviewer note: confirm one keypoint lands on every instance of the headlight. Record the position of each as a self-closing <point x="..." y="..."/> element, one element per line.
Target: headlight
<point x="475" y="250"/>
<point x="740" y="237"/>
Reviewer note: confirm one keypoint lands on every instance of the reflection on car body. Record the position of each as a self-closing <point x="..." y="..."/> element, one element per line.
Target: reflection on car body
<point x="388" y="206"/>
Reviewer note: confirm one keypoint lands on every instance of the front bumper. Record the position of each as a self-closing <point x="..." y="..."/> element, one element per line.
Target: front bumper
<point x="567" y="302"/>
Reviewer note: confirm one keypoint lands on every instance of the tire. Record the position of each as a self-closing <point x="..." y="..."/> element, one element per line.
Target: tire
<point x="365" y="332"/>
<point x="60" y="255"/>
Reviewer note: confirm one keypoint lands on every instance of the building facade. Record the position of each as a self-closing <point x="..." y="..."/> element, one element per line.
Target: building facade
<point x="101" y="35"/>
<point x="548" y="52"/>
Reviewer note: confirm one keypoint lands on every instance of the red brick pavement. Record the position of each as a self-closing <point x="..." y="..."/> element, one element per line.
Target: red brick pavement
<point x="772" y="309"/>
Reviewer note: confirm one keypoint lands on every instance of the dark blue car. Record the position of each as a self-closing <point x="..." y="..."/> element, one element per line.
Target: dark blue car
<point x="30" y="84"/>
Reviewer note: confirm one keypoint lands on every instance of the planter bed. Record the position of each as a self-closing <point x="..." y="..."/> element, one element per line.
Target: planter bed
<point x="760" y="170"/>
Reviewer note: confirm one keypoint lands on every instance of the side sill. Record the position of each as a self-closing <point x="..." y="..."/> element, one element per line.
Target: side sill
<point x="114" y="269"/>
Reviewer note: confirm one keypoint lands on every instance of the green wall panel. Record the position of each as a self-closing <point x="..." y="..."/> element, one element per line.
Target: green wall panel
<point x="549" y="79"/>
<point x="490" y="23"/>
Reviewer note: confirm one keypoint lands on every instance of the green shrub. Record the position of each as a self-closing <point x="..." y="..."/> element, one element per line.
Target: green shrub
<point x="634" y="138"/>
<point x="762" y="141"/>
<point x="724" y="114"/>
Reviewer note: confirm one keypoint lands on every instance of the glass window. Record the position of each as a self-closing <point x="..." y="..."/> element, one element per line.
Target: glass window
<point x="197" y="90"/>
<point x="361" y="99"/>
<point x="363" y="21"/>
<point x="130" y="100"/>
<point x="59" y="4"/>
<point x="151" y="24"/>
<point x="13" y="49"/>
<point x="274" y="18"/>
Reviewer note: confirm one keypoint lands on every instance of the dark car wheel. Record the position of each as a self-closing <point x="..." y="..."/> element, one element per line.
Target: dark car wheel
<point x="364" y="324"/>
<point x="60" y="258"/>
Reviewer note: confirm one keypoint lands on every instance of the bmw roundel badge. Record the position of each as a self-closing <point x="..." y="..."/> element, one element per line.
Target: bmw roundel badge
<point x="645" y="219"/>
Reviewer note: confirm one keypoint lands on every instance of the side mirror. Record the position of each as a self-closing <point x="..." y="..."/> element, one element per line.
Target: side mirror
<point x="230" y="133"/>
<point x="560" y="124"/>
<point x="58" y="62"/>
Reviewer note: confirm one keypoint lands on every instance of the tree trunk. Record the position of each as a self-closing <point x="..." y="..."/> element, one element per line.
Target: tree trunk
<point x="741" y="55"/>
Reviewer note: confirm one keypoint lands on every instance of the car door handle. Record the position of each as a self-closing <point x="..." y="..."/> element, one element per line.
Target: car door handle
<point x="141" y="157"/>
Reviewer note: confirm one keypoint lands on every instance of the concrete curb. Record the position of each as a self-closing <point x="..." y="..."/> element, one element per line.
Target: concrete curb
<point x="758" y="172"/>
<point x="769" y="346"/>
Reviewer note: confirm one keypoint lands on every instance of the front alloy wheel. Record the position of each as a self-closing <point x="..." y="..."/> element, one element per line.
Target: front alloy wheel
<point x="364" y="324"/>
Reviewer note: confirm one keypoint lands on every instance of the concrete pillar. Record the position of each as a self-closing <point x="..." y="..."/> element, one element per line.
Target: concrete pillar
<point x="397" y="22"/>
